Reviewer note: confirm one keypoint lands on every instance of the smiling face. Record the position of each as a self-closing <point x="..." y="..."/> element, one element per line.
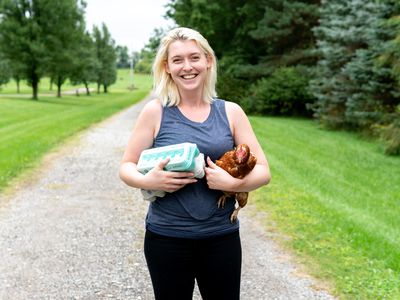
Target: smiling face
<point x="187" y="64"/>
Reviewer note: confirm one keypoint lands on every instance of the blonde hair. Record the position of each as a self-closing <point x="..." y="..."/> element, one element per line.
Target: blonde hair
<point x="164" y="87"/>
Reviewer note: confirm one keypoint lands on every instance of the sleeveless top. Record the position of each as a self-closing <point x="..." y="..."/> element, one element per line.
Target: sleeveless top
<point x="192" y="211"/>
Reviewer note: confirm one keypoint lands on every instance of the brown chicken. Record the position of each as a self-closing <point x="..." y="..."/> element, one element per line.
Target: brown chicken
<point x="238" y="163"/>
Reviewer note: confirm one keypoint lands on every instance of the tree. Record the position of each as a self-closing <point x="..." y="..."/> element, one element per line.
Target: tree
<point x="106" y="56"/>
<point x="5" y="72"/>
<point x="85" y="65"/>
<point x="251" y="38"/>
<point x="351" y="89"/>
<point x="285" y="35"/>
<point x="148" y="53"/>
<point x="62" y="38"/>
<point x="216" y="20"/>
<point x="122" y="57"/>
<point x="21" y="38"/>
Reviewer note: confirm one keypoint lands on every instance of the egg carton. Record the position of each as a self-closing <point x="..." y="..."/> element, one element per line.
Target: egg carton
<point x="184" y="157"/>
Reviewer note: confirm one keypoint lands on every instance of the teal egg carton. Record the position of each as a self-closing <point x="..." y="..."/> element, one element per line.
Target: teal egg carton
<point x="182" y="157"/>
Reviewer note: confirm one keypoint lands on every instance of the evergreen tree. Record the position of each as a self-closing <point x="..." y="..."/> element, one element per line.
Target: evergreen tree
<point x="391" y="49"/>
<point x="372" y="87"/>
<point x="106" y="56"/>
<point x="338" y="37"/>
<point x="284" y="35"/>
<point x="351" y="91"/>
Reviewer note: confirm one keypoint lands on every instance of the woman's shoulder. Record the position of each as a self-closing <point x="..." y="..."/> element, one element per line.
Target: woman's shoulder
<point x="152" y="108"/>
<point x="232" y="108"/>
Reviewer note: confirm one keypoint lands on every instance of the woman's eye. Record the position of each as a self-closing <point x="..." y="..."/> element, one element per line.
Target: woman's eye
<point x="176" y="61"/>
<point x="196" y="57"/>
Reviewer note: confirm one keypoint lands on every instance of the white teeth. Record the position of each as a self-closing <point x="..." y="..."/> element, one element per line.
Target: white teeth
<point x="189" y="76"/>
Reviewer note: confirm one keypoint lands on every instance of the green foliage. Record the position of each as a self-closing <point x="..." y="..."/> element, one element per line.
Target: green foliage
<point x="391" y="55"/>
<point x="40" y="37"/>
<point x="123" y="60"/>
<point x="148" y="53"/>
<point x="22" y="37"/>
<point x="106" y="56"/>
<point x="251" y="38"/>
<point x="5" y="72"/>
<point x="355" y="84"/>
<point x="285" y="33"/>
<point x="334" y="196"/>
<point x="285" y="92"/>
<point x="62" y="38"/>
<point x="231" y="88"/>
<point x="389" y="131"/>
<point x="85" y="65"/>
<point x="216" y="20"/>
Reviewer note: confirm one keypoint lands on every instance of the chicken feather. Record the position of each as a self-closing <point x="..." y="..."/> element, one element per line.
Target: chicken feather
<point x="238" y="163"/>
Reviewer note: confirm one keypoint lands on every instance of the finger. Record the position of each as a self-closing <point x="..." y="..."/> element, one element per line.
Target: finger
<point x="182" y="174"/>
<point x="210" y="163"/>
<point x="163" y="163"/>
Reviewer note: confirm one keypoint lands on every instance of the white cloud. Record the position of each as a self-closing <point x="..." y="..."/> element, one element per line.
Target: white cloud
<point x="131" y="22"/>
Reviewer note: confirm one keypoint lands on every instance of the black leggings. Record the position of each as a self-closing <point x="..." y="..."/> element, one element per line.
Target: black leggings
<point x="175" y="263"/>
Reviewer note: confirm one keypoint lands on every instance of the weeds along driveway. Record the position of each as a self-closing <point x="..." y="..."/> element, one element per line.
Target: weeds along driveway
<point x="75" y="231"/>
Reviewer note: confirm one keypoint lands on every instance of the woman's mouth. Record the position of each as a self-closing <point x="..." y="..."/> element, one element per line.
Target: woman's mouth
<point x="189" y="76"/>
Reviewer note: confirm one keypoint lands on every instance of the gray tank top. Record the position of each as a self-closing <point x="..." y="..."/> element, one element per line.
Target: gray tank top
<point x="192" y="211"/>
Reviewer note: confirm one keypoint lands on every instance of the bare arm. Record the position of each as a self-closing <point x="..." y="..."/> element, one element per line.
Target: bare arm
<point x="243" y="133"/>
<point x="142" y="137"/>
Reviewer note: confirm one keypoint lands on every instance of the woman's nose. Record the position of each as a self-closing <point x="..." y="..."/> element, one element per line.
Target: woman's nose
<point x="187" y="65"/>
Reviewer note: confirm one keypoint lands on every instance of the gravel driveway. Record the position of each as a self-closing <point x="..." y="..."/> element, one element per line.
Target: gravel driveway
<point x="75" y="231"/>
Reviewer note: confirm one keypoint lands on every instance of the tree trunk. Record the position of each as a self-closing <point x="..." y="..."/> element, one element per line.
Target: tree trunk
<point x="87" y="88"/>
<point x="59" y="84"/>
<point x="35" y="85"/>
<point x="17" y="81"/>
<point x="98" y="88"/>
<point x="105" y="88"/>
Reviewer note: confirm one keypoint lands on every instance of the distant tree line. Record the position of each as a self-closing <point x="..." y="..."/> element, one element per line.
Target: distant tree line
<point x="48" y="38"/>
<point x="335" y="60"/>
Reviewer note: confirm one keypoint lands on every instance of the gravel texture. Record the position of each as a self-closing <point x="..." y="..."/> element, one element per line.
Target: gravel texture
<point x="75" y="231"/>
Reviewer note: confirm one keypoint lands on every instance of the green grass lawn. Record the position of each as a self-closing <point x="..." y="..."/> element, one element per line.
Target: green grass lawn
<point x="28" y="128"/>
<point x="338" y="199"/>
<point x="334" y="194"/>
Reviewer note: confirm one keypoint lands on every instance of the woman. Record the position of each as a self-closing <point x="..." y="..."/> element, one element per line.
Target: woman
<point x="188" y="237"/>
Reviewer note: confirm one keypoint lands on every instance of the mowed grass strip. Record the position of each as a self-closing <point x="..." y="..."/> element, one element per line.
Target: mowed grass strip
<point x="338" y="198"/>
<point x="29" y="129"/>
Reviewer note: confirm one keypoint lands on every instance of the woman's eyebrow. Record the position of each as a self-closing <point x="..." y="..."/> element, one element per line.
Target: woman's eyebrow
<point x="190" y="54"/>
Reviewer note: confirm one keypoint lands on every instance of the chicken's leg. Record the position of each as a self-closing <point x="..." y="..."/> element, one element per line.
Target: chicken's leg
<point x="234" y="215"/>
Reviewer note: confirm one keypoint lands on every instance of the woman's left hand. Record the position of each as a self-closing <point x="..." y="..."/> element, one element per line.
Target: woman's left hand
<point x="218" y="178"/>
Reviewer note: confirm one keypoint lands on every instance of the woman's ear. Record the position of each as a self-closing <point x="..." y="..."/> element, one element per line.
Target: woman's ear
<point x="209" y="61"/>
<point x="166" y="67"/>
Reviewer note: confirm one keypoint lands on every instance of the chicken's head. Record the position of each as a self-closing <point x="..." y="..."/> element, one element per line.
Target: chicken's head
<point x="242" y="153"/>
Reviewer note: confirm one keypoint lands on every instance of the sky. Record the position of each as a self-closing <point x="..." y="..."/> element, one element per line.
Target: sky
<point x="131" y="22"/>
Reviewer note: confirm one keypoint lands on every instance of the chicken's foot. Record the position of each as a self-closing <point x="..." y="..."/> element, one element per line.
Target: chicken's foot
<point x="234" y="215"/>
<point x="221" y="201"/>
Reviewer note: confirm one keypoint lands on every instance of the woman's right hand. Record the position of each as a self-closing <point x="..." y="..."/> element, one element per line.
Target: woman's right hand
<point x="159" y="179"/>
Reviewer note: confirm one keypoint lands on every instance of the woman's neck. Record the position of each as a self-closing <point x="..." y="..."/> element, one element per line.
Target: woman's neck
<point x="191" y="99"/>
<point x="194" y="108"/>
